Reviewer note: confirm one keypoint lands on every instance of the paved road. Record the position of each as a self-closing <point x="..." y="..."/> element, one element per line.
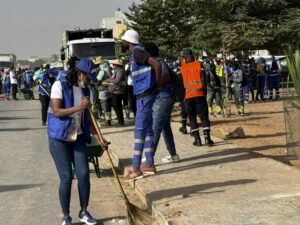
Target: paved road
<point x="28" y="178"/>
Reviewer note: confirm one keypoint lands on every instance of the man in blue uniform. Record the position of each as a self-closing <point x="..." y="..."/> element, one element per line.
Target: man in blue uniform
<point x="274" y="79"/>
<point x="146" y="75"/>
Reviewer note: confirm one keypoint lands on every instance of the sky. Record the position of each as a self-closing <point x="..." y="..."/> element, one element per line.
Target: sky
<point x="35" y="27"/>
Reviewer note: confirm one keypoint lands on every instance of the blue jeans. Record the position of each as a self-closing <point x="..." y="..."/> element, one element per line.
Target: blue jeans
<point x="162" y="110"/>
<point x="65" y="154"/>
<point x="143" y="132"/>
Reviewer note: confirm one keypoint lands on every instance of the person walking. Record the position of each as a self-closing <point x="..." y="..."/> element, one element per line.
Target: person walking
<point x="274" y="79"/>
<point x="238" y="87"/>
<point x="6" y="83"/>
<point x="162" y="107"/>
<point x="146" y="75"/>
<point x="69" y="129"/>
<point x="14" y="84"/>
<point x="45" y="82"/>
<point x="28" y="84"/>
<point x="252" y="79"/>
<point x="214" y="90"/>
<point x="195" y="97"/>
<point x="117" y="88"/>
<point x="261" y="79"/>
<point x="104" y="96"/>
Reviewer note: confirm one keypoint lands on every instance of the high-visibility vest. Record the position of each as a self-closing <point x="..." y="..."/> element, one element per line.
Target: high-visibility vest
<point x="220" y="70"/>
<point x="191" y="75"/>
<point x="143" y="76"/>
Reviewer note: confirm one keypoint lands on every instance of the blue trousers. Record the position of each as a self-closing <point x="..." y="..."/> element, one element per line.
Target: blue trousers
<point x="274" y="84"/>
<point x="6" y="89"/>
<point x="65" y="154"/>
<point x="162" y="110"/>
<point x="246" y="93"/>
<point x="143" y="132"/>
<point x="261" y="81"/>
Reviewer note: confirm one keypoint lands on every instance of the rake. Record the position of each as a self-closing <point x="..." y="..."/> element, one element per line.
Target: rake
<point x="134" y="215"/>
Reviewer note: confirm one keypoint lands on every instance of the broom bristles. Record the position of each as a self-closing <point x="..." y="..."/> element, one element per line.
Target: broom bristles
<point x="137" y="216"/>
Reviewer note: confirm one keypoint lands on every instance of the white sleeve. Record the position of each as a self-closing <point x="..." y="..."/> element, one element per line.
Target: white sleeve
<point x="56" y="91"/>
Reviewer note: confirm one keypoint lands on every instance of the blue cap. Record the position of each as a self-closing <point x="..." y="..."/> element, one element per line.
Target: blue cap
<point x="87" y="66"/>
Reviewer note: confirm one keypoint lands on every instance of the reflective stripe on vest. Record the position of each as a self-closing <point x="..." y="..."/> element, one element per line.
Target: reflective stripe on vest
<point x="194" y="90"/>
<point x="138" y="72"/>
<point x="192" y="82"/>
<point x="143" y="76"/>
<point x="191" y="74"/>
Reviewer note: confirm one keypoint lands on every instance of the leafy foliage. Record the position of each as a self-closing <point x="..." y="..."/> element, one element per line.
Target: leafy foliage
<point x="214" y="24"/>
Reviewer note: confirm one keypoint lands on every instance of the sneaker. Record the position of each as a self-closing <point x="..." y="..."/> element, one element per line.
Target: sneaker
<point x="67" y="221"/>
<point x="171" y="159"/>
<point x="149" y="170"/>
<point x="86" y="218"/>
<point x="133" y="174"/>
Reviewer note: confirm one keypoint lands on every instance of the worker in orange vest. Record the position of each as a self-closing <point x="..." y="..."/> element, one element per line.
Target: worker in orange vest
<point x="195" y="97"/>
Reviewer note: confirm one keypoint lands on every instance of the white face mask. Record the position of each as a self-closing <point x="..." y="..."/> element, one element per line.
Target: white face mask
<point x="80" y="83"/>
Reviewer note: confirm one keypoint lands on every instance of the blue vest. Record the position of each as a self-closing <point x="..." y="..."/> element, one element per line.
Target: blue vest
<point x="58" y="127"/>
<point x="143" y="76"/>
<point x="46" y="86"/>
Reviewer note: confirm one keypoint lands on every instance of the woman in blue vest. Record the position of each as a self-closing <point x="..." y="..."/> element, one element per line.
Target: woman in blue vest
<point x="69" y="131"/>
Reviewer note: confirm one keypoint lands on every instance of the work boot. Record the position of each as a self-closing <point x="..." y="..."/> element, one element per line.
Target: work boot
<point x="197" y="141"/>
<point x="208" y="140"/>
<point x="183" y="129"/>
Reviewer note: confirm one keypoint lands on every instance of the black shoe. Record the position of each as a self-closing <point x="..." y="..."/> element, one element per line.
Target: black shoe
<point x="197" y="141"/>
<point x="44" y="124"/>
<point x="183" y="130"/>
<point x="208" y="140"/>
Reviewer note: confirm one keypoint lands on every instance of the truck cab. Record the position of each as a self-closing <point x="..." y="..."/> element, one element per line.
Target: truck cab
<point x="88" y="44"/>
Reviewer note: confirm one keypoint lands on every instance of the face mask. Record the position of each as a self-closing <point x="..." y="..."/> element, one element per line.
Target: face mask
<point x="81" y="84"/>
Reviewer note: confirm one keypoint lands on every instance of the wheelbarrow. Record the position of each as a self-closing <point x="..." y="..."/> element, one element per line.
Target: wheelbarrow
<point x="94" y="151"/>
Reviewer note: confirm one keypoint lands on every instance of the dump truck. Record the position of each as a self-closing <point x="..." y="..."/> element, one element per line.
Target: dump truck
<point x="8" y="61"/>
<point x="88" y="44"/>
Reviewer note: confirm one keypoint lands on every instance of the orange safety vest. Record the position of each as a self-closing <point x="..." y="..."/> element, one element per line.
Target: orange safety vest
<point x="191" y="74"/>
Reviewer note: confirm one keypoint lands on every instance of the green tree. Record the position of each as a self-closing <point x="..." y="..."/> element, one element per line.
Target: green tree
<point x="211" y="25"/>
<point x="247" y="24"/>
<point x="168" y="23"/>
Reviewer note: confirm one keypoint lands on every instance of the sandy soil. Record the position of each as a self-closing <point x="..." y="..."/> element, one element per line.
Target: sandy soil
<point x="263" y="125"/>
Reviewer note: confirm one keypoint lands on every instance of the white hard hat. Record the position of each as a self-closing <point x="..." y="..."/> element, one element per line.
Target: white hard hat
<point x="131" y="36"/>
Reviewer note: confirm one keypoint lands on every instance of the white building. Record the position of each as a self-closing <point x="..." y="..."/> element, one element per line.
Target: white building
<point x="118" y="23"/>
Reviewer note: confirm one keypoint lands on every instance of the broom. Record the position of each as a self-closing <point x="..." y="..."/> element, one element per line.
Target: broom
<point x="134" y="215"/>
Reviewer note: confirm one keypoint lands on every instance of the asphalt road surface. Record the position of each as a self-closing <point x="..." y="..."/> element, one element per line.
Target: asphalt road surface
<point x="28" y="178"/>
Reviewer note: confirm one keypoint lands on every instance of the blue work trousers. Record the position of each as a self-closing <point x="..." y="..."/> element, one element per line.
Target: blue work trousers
<point x="65" y="154"/>
<point x="162" y="110"/>
<point x="6" y="89"/>
<point x="143" y="132"/>
<point x="261" y="82"/>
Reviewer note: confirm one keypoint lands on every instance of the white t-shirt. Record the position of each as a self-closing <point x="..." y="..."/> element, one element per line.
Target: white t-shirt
<point x="12" y="79"/>
<point x="56" y="92"/>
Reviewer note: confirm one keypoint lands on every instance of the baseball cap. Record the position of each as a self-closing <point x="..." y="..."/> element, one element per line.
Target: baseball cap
<point x="87" y="66"/>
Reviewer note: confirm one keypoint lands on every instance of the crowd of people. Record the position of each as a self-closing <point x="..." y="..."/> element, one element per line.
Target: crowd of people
<point x="148" y="87"/>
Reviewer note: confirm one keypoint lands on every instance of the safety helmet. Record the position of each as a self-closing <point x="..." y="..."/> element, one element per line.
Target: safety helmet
<point x="131" y="36"/>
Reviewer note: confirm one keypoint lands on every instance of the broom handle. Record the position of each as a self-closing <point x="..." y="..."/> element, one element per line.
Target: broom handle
<point x="104" y="145"/>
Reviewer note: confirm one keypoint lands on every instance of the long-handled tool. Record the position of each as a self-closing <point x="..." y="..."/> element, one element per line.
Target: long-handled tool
<point x="135" y="215"/>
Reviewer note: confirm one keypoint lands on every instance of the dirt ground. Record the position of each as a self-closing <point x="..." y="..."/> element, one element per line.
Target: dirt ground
<point x="263" y="125"/>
